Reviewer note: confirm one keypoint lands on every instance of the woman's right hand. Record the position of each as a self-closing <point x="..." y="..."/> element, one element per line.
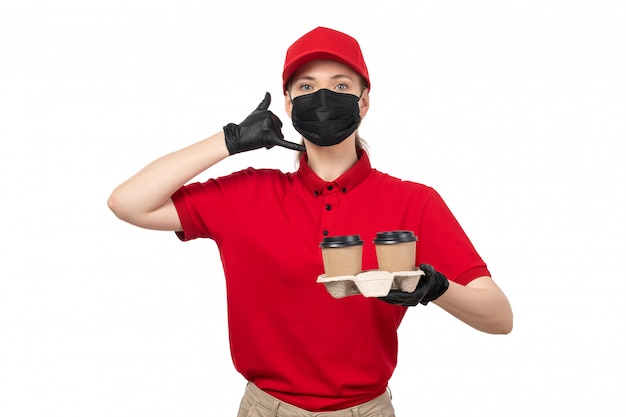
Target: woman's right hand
<point x="261" y="129"/>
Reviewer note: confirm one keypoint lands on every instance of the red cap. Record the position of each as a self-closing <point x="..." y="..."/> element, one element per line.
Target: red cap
<point x="324" y="43"/>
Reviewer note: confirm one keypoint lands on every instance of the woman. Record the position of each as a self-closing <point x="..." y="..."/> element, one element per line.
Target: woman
<point x="302" y="350"/>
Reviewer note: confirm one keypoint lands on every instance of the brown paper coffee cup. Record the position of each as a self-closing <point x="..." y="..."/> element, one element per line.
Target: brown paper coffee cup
<point x="342" y="255"/>
<point x="396" y="250"/>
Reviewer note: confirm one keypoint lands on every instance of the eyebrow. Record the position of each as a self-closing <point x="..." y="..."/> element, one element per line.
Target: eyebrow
<point x="336" y="77"/>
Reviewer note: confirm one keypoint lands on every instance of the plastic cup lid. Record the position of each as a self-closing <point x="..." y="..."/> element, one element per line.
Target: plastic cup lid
<point x="394" y="236"/>
<point x="341" y="241"/>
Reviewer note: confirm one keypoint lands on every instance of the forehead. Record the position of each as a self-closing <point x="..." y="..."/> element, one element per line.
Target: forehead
<point x="323" y="68"/>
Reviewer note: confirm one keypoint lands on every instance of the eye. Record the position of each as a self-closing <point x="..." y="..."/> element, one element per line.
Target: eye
<point x="341" y="87"/>
<point x="305" y="87"/>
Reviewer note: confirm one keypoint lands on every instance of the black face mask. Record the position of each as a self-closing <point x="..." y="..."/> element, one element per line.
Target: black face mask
<point x="325" y="117"/>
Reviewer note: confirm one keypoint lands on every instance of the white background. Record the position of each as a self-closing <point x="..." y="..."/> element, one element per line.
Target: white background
<point x="513" y="110"/>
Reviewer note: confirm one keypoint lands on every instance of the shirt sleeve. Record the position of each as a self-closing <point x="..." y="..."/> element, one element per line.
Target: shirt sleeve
<point x="443" y="243"/>
<point x="207" y="209"/>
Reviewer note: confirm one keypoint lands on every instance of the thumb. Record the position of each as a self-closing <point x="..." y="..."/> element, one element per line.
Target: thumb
<point x="290" y="145"/>
<point x="428" y="269"/>
<point x="265" y="104"/>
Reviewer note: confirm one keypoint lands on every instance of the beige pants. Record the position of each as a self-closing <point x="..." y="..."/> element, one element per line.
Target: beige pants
<point x="256" y="403"/>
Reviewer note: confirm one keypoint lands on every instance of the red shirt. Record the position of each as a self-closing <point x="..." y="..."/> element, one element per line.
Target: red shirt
<point x="287" y="334"/>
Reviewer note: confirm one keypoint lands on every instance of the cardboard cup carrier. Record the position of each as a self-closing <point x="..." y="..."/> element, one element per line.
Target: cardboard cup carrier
<point x="342" y="257"/>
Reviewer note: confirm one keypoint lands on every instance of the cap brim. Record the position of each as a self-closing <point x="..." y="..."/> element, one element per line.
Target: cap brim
<point x="304" y="59"/>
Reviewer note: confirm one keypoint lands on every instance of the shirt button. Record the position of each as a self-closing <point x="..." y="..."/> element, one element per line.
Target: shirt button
<point x="344" y="189"/>
<point x="325" y="232"/>
<point x="316" y="193"/>
<point x="329" y="188"/>
<point x="328" y="207"/>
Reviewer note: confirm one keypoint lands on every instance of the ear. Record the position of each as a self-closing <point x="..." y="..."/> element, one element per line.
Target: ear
<point x="364" y="103"/>
<point x="288" y="104"/>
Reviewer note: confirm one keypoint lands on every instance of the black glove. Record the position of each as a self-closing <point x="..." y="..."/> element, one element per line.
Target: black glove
<point x="261" y="129"/>
<point x="430" y="287"/>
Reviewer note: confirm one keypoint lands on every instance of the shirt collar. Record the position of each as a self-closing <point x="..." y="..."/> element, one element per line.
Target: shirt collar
<point x="346" y="182"/>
